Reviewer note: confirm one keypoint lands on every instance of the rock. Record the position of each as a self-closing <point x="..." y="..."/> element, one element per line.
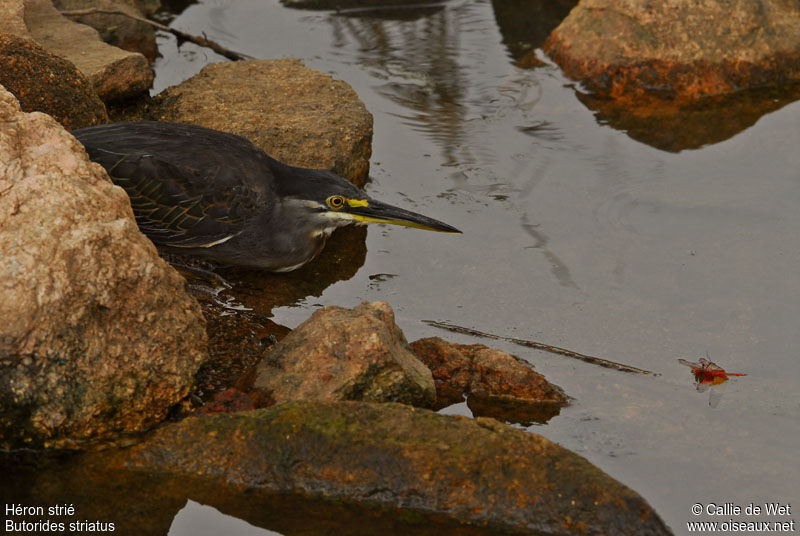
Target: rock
<point x="46" y="83"/>
<point x="297" y="115"/>
<point x="344" y="354"/>
<point x="495" y="384"/>
<point x="681" y="50"/>
<point x="146" y="7"/>
<point x="97" y="335"/>
<point x="117" y="30"/>
<point x="12" y="13"/>
<point x="115" y="74"/>
<point x="390" y="455"/>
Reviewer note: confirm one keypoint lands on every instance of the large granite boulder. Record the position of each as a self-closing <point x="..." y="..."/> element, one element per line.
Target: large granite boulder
<point x="97" y="335"/>
<point x="680" y="50"/>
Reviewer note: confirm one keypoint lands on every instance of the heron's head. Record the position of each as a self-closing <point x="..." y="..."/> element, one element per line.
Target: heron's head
<point x="330" y="201"/>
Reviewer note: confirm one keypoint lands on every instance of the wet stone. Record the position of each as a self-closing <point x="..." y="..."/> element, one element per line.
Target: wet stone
<point x="494" y="383"/>
<point x="146" y="503"/>
<point x="669" y="49"/>
<point x="43" y="82"/>
<point x="344" y="354"/>
<point x="115" y="73"/>
<point x="117" y="30"/>
<point x="478" y="472"/>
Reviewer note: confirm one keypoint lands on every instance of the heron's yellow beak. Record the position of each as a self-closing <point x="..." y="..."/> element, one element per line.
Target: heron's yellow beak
<point x="371" y="211"/>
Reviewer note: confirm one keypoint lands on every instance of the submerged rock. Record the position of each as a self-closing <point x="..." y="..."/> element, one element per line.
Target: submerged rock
<point x="681" y="50"/>
<point x="97" y="335"/>
<point x="495" y="384"/>
<point x="477" y="471"/>
<point x="115" y="73"/>
<point x="297" y="115"/>
<point x="344" y="354"/>
<point x="46" y="83"/>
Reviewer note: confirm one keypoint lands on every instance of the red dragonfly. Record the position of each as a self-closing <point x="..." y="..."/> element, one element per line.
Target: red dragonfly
<point x="708" y="374"/>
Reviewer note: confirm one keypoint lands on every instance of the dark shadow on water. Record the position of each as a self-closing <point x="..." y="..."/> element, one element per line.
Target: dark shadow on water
<point x="405" y="10"/>
<point x="672" y="128"/>
<point x="262" y="291"/>
<point x="173" y="8"/>
<point x="511" y="411"/>
<point x="145" y="504"/>
<point x="404" y="13"/>
<point x="526" y="24"/>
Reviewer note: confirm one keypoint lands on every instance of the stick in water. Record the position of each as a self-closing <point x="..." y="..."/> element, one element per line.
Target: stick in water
<point x="196" y="39"/>
<point x="539" y="346"/>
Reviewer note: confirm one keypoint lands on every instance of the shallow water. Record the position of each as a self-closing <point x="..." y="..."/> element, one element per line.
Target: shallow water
<point x="575" y="234"/>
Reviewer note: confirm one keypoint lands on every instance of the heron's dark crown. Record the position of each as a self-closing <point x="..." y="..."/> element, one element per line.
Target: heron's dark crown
<point x="313" y="184"/>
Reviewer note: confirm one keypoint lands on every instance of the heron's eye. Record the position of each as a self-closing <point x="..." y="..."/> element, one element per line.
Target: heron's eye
<point x="335" y="202"/>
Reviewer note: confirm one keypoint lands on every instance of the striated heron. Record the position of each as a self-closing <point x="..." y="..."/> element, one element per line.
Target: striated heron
<point x="216" y="195"/>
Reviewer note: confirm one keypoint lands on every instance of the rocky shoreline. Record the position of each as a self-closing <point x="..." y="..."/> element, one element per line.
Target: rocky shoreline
<point x="102" y="345"/>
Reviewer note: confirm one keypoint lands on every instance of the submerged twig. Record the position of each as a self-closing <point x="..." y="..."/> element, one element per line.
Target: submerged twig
<point x="196" y="39"/>
<point x="539" y="346"/>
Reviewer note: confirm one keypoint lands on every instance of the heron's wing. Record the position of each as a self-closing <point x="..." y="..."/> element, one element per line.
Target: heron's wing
<point x="189" y="186"/>
<point x="171" y="211"/>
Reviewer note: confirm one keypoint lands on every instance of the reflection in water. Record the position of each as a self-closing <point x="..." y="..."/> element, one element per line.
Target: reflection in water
<point x="427" y="67"/>
<point x="343" y="255"/>
<point x="525" y="24"/>
<point x="410" y="12"/>
<point x="670" y="128"/>
<point x="175" y="7"/>
<point x="145" y="504"/>
<point x="557" y="266"/>
<point x="426" y="58"/>
<point x="543" y="130"/>
<point x="418" y="59"/>
<point x="418" y="49"/>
